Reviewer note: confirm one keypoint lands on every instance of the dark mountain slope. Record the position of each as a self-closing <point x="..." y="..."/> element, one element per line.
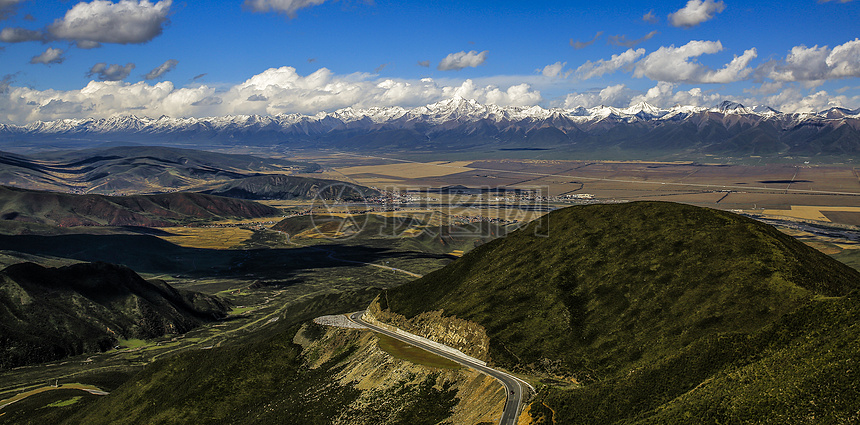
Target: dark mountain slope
<point x="50" y="313"/>
<point x="279" y="186"/>
<point x="134" y="169"/>
<point x="643" y="302"/>
<point x="262" y="378"/>
<point x="63" y="209"/>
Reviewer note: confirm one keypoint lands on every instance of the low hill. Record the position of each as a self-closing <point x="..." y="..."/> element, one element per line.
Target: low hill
<point x="134" y="169"/>
<point x="431" y="233"/>
<point x="50" y="313"/>
<point x="62" y="209"/>
<point x="643" y="303"/>
<point x="279" y="186"/>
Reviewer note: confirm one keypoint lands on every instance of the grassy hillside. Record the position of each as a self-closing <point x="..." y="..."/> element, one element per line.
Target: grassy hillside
<point x="643" y="302"/>
<point x="262" y="379"/>
<point x="62" y="209"/>
<point x="50" y="313"/>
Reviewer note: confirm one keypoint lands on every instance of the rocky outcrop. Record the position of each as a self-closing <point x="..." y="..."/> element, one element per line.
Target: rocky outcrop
<point x="379" y="376"/>
<point x="468" y="337"/>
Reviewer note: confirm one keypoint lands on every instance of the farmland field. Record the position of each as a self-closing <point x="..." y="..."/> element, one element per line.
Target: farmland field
<point x="780" y="189"/>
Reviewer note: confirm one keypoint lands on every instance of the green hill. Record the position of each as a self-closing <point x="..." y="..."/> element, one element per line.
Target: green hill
<point x="646" y="303"/>
<point x="50" y="313"/>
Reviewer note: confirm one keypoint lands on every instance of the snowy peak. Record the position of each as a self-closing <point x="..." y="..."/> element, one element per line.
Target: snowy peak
<point x="729" y="107"/>
<point x="837" y="113"/>
<point x="453" y="112"/>
<point x="644" y="108"/>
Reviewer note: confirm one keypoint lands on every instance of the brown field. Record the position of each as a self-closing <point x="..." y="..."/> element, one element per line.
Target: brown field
<point x="409" y="170"/>
<point x="844" y="217"/>
<point x="818" y="213"/>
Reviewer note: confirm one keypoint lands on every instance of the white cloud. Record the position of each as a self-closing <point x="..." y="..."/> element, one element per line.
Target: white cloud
<point x="87" y="44"/>
<point x="554" y="70"/>
<point x="162" y="69"/>
<point x="766" y="88"/>
<point x="102" y="21"/>
<point x="793" y="100"/>
<point x="617" y="95"/>
<point x="696" y="12"/>
<point x="583" y="44"/>
<point x="5" y="82"/>
<point x="518" y="95"/>
<point x="650" y="17"/>
<point x="113" y="72"/>
<point x="663" y="95"/>
<point x="19" y="35"/>
<point x="49" y="56"/>
<point x="7" y="8"/>
<point x="273" y="91"/>
<point x="595" y="69"/>
<point x="460" y="60"/>
<point x="674" y="64"/>
<point x="816" y="64"/>
<point x="287" y="7"/>
<point x="621" y="40"/>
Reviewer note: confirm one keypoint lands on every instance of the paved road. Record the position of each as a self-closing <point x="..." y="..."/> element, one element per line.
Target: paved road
<point x="513" y="386"/>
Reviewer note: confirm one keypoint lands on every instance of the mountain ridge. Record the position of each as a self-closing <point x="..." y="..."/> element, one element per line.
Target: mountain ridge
<point x="64" y="209"/>
<point x="458" y="123"/>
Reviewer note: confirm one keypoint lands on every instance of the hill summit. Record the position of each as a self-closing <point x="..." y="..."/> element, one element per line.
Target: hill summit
<point x="640" y="303"/>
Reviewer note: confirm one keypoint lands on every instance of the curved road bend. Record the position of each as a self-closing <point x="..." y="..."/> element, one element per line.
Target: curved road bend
<point x="513" y="386"/>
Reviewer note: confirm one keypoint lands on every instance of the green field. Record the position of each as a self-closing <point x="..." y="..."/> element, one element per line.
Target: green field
<point x="410" y="353"/>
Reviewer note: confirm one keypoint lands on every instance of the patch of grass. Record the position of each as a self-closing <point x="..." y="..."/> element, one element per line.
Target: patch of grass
<point x="850" y="257"/>
<point x="34" y="409"/>
<point x="403" y="351"/>
<point x="239" y="310"/>
<point x="64" y="403"/>
<point x="206" y="237"/>
<point x="132" y="343"/>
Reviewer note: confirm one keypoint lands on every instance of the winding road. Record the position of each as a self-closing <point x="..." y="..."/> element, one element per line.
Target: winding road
<point x="513" y="386"/>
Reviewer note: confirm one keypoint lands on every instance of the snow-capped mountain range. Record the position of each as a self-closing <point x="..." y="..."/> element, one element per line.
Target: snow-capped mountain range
<point x="459" y="123"/>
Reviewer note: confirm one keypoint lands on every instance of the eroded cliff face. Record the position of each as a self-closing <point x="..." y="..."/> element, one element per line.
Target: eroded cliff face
<point x="393" y="389"/>
<point x="468" y="337"/>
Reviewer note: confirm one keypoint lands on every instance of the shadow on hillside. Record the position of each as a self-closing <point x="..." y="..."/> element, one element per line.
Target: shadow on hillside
<point x="149" y="254"/>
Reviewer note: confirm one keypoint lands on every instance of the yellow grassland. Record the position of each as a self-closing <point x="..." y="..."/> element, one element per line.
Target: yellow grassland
<point x="206" y="237"/>
<point x="411" y="170"/>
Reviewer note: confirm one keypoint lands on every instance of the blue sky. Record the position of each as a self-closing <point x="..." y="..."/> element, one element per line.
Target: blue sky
<point x="68" y="59"/>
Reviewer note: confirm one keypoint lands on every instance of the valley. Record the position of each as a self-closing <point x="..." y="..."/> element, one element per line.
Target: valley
<point x="295" y="245"/>
<point x="321" y="212"/>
